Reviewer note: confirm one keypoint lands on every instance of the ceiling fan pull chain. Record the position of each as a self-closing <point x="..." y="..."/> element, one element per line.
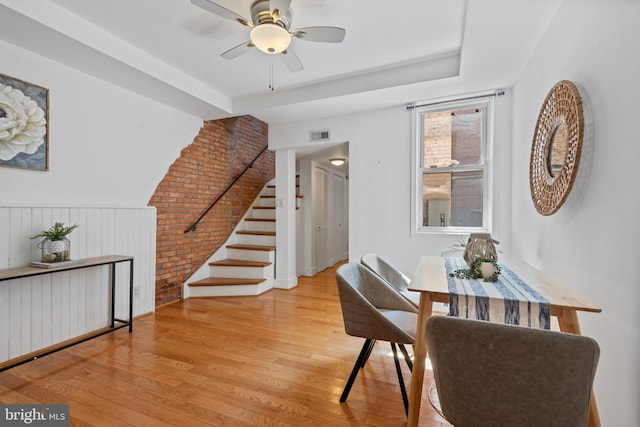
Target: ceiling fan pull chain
<point x="271" y="74"/>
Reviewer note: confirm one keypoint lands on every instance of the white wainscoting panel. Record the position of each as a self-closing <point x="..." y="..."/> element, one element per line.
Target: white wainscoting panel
<point x="41" y="311"/>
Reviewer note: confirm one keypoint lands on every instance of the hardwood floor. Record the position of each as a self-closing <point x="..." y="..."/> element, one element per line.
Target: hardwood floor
<point x="278" y="359"/>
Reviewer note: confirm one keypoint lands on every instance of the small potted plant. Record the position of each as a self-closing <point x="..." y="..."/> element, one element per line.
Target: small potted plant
<point x="55" y="246"/>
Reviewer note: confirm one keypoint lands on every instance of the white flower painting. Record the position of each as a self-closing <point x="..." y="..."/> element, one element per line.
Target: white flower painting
<point x="23" y="124"/>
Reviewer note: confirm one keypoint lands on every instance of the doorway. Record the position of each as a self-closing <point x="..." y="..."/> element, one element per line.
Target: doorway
<point x="323" y="224"/>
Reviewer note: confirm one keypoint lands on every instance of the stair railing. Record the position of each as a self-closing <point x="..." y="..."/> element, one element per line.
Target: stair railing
<point x="193" y="226"/>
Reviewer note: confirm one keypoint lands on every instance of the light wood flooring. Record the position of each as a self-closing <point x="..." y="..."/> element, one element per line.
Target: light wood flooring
<point x="278" y="359"/>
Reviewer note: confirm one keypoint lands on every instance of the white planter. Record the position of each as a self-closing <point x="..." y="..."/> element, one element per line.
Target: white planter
<point x="487" y="269"/>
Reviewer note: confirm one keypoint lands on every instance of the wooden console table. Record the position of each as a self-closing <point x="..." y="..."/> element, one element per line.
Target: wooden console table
<point x="114" y="323"/>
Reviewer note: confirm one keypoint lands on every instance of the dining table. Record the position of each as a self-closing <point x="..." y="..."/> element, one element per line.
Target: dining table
<point x="432" y="280"/>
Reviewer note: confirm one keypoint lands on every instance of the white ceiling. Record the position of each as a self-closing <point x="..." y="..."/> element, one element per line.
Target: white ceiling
<point x="393" y="53"/>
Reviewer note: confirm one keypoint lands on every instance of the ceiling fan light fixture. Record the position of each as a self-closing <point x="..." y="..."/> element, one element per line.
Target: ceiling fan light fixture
<point x="270" y="38"/>
<point x="337" y="161"/>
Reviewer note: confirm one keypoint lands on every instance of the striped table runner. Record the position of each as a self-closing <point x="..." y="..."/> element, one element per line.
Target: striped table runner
<point x="508" y="300"/>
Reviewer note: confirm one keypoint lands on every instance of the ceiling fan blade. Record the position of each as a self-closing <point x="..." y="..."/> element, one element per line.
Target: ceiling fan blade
<point x="320" y="34"/>
<point x="291" y="60"/>
<point x="282" y="6"/>
<point x="234" y="52"/>
<point x="221" y="11"/>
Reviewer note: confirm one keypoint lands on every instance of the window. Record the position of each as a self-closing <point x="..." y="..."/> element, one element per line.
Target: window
<point x="451" y="161"/>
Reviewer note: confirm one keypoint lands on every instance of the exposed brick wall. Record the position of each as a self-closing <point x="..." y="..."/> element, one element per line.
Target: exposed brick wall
<point x="467" y="125"/>
<point x="437" y="152"/>
<point x="452" y="136"/>
<point x="437" y="136"/>
<point x="218" y="154"/>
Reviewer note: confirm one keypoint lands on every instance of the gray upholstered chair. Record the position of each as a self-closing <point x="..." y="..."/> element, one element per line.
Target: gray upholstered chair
<point x="391" y="275"/>
<point x="373" y="310"/>
<point x="490" y="374"/>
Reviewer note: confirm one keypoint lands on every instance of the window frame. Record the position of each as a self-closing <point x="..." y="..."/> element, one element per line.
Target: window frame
<point x="486" y="165"/>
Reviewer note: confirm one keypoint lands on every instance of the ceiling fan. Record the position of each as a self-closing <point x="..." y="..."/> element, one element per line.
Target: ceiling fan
<point x="270" y="22"/>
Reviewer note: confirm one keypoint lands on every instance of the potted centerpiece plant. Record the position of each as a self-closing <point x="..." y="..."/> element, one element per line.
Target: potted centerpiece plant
<point x="486" y="269"/>
<point x="55" y="246"/>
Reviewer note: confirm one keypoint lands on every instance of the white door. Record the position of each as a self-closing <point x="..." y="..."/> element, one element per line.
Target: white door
<point x="339" y="223"/>
<point x="321" y="218"/>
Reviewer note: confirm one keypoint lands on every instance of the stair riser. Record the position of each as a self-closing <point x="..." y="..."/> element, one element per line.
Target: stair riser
<point x="251" y="239"/>
<point x="263" y="213"/>
<point x="224" y="291"/>
<point x="271" y="202"/>
<point x="241" y="272"/>
<point x="260" y="225"/>
<point x="251" y="255"/>
<point x="267" y="201"/>
<point x="269" y="191"/>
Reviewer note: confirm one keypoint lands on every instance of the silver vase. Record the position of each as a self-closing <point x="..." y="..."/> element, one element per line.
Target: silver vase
<point x="55" y="250"/>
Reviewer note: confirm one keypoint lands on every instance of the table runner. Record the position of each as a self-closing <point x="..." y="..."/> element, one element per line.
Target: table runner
<point x="508" y="300"/>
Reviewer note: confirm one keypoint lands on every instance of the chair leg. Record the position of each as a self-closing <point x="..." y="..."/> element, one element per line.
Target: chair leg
<point x="403" y="390"/>
<point x="364" y="361"/>
<point x="407" y="358"/>
<point x="366" y="350"/>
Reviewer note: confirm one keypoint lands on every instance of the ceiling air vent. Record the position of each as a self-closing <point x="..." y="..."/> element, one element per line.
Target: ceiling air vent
<point x="319" y="135"/>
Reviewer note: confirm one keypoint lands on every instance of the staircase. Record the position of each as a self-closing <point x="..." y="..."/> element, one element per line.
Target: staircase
<point x="246" y="264"/>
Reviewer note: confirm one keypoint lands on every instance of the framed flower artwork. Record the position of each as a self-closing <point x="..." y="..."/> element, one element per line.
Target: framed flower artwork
<point x="24" y="124"/>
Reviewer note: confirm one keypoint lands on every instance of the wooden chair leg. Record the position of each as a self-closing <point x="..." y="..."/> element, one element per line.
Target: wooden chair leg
<point x="403" y="390"/>
<point x="364" y="353"/>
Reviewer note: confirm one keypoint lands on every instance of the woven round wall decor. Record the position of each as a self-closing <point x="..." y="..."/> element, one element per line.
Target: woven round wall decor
<point x="556" y="148"/>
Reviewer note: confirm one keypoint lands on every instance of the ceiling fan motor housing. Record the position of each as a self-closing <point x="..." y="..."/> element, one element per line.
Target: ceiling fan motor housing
<point x="261" y="14"/>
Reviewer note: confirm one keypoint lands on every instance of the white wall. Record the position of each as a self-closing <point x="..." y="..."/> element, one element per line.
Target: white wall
<point x="107" y="145"/>
<point x="591" y="243"/>
<point x="108" y="150"/>
<point x="305" y="260"/>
